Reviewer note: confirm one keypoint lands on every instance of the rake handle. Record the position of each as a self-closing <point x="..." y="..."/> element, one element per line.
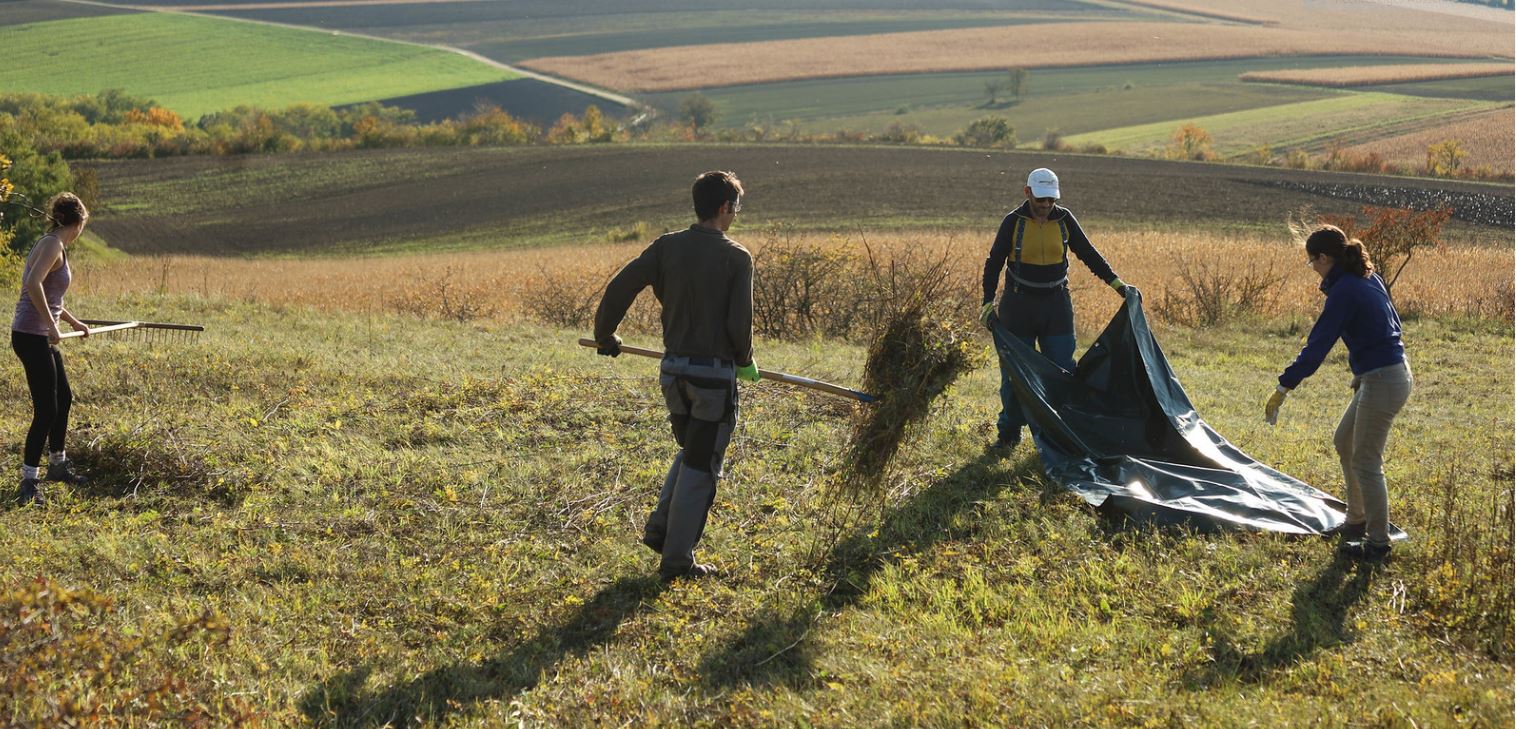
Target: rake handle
<point x="147" y="325"/>
<point x="825" y="387"/>
<point x="116" y="326"/>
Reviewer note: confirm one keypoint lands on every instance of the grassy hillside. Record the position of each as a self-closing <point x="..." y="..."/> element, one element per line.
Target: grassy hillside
<point x="1073" y="100"/>
<point x="196" y="65"/>
<point x="448" y="199"/>
<point x="1288" y="125"/>
<point x="374" y="520"/>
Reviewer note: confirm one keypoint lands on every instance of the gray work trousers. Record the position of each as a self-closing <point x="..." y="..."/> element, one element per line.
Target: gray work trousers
<point x="1378" y="395"/>
<point x="701" y="395"/>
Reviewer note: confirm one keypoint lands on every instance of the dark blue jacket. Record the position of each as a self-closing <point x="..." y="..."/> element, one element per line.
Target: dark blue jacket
<point x="1358" y="310"/>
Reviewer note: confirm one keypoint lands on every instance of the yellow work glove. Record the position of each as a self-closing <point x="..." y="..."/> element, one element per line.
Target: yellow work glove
<point x="985" y="312"/>
<point x="1119" y="285"/>
<point x="1271" y="408"/>
<point x="749" y="372"/>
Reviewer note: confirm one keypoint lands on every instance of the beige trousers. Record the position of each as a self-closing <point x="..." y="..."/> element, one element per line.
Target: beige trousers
<point x="1378" y="395"/>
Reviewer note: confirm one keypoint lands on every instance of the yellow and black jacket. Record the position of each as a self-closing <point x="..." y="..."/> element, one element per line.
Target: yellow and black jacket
<point x="1035" y="255"/>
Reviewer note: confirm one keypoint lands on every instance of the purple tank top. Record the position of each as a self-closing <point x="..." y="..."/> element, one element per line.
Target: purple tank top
<point x="27" y="318"/>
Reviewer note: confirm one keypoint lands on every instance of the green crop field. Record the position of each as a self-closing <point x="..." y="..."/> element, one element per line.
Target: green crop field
<point x="196" y="65"/>
<point x="1072" y="100"/>
<point x="517" y="31"/>
<point x="1288" y="125"/>
<point x="368" y="521"/>
<point x="1487" y="88"/>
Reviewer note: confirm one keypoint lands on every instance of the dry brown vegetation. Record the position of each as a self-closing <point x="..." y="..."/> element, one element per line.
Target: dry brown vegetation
<point x="1297" y="28"/>
<point x="561" y="285"/>
<point x="1485" y="137"/>
<point x="1371" y="75"/>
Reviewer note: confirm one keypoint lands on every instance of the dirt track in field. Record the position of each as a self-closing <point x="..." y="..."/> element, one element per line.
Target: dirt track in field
<point x="477" y="198"/>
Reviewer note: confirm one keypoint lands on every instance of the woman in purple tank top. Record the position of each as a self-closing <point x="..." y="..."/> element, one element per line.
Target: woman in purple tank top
<point x="34" y="337"/>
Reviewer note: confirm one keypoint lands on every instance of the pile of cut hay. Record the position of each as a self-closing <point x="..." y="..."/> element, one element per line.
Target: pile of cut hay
<point x="911" y="362"/>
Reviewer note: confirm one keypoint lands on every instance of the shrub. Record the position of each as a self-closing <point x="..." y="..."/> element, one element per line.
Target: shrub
<point x="989" y="131"/>
<point x="1445" y="158"/>
<point x="1392" y="235"/>
<point x="1190" y="142"/>
<point x="1208" y="294"/>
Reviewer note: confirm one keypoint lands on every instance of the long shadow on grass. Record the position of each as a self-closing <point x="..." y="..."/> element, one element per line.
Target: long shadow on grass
<point x="1318" y="620"/>
<point x="775" y="648"/>
<point x="341" y="700"/>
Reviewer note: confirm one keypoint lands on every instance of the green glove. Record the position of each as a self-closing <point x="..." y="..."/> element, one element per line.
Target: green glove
<point x="985" y="312"/>
<point x="1271" y="408"/>
<point x="749" y="372"/>
<point x="1119" y="285"/>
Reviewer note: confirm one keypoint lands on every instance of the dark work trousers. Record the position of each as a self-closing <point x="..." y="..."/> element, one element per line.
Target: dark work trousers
<point x="1044" y="321"/>
<point x="51" y="396"/>
<point x="701" y="394"/>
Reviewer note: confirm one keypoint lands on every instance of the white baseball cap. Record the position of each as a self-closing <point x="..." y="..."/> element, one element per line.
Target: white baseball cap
<point x="1043" y="183"/>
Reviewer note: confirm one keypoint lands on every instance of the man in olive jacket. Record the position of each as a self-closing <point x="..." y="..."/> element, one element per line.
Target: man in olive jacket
<point x="704" y="282"/>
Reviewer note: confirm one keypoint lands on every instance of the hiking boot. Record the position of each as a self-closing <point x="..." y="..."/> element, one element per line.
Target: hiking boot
<point x="1350" y="532"/>
<point x="62" y="472"/>
<point x="1008" y="442"/>
<point x="30" y="492"/>
<point x="1364" y="550"/>
<point x="695" y="571"/>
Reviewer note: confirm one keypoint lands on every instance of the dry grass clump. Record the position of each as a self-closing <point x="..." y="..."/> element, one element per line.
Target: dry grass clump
<point x="912" y="361"/>
<point x="1374" y="75"/>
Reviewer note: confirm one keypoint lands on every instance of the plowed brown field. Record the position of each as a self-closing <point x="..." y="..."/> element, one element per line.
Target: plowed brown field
<point x="428" y="199"/>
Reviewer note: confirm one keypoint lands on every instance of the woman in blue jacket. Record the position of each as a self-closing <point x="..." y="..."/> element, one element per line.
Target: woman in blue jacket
<point x="1358" y="311"/>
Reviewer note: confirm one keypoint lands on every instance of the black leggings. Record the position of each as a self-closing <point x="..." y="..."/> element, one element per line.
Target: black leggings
<point x="51" y="396"/>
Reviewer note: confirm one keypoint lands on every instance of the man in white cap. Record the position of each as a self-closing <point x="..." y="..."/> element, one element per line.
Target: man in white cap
<point x="1032" y="246"/>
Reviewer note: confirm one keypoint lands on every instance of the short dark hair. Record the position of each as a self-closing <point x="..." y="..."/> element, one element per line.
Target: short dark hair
<point x="66" y="209"/>
<point x="714" y="189"/>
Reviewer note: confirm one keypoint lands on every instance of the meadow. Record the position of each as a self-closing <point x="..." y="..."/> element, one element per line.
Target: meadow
<point x="195" y="65"/>
<point x="307" y="516"/>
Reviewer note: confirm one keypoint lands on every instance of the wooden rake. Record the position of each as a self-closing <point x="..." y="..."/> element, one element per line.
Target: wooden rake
<point x="807" y="382"/>
<point x="149" y="331"/>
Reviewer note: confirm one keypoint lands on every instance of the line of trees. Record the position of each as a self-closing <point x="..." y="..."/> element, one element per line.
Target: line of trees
<point x="114" y="125"/>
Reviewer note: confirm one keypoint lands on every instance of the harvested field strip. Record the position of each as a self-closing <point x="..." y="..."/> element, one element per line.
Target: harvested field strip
<point x="195" y="64"/>
<point x="1455" y="279"/>
<point x="1486" y="137"/>
<point x="1373" y="75"/>
<point x="1286" y="125"/>
<point x="1079" y="44"/>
